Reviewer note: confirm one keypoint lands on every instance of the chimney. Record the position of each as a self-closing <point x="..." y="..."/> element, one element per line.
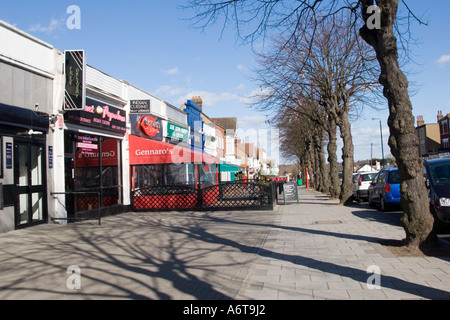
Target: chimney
<point x="199" y="102"/>
<point x="440" y="116"/>
<point x="420" y="121"/>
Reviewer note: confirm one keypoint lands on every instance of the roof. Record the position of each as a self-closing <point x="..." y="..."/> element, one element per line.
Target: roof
<point x="367" y="172"/>
<point x="390" y="168"/>
<point x="438" y="161"/>
<point x="226" y="123"/>
<point x="366" y="168"/>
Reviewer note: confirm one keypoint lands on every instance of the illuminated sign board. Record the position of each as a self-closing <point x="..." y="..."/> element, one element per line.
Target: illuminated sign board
<point x="75" y="73"/>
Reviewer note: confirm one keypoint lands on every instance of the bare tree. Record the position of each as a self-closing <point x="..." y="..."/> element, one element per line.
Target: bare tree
<point x="341" y="71"/>
<point x="378" y="26"/>
<point x="302" y="136"/>
<point x="333" y="68"/>
<point x="417" y="220"/>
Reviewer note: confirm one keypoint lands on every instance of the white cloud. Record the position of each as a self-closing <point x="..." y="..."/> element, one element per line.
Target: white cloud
<point x="368" y="131"/>
<point x="366" y="140"/>
<point x="443" y="60"/>
<point x="254" y="96"/>
<point x="241" y="67"/>
<point x="171" y="71"/>
<point x="209" y="98"/>
<point x="168" y="91"/>
<point x="180" y="94"/>
<point x="54" y="25"/>
<point x="241" y="87"/>
<point x="252" y="122"/>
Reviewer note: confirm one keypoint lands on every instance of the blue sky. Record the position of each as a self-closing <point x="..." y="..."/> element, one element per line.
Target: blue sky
<point x="150" y="44"/>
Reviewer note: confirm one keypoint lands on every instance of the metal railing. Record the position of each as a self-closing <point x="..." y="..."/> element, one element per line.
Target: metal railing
<point x="239" y="195"/>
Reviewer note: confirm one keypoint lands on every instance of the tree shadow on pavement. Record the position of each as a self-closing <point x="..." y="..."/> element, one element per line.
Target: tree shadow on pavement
<point x="390" y="218"/>
<point x="115" y="263"/>
<point x="160" y="256"/>
<point x="389" y="282"/>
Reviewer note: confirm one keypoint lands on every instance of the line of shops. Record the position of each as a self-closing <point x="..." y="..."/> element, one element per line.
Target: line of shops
<point x="74" y="140"/>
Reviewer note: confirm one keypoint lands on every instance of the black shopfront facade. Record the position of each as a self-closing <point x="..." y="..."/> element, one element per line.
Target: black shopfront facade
<point x="23" y="167"/>
<point x="93" y="160"/>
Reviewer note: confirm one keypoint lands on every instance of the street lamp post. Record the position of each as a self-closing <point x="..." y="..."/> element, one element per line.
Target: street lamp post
<point x="371" y="156"/>
<point x="382" y="144"/>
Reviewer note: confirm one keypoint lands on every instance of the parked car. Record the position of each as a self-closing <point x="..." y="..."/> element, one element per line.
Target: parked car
<point x="361" y="184"/>
<point x="385" y="189"/>
<point x="438" y="182"/>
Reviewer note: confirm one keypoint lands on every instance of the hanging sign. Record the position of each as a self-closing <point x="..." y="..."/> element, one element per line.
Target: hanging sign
<point x="75" y="73"/>
<point x="147" y="126"/>
<point x="139" y="106"/>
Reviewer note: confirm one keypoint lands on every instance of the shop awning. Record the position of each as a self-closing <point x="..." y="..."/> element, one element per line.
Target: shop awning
<point x="146" y="151"/>
<point x="224" y="167"/>
<point x="23" y="118"/>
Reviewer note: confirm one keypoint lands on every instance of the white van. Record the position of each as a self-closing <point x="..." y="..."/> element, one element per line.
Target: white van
<point x="361" y="184"/>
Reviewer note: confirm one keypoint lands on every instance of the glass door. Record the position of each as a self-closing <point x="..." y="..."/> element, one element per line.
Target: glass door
<point x="31" y="190"/>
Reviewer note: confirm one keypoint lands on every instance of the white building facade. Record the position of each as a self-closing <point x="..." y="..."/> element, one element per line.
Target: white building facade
<point x="31" y="89"/>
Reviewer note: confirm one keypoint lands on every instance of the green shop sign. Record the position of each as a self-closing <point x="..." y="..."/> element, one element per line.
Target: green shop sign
<point x="177" y="132"/>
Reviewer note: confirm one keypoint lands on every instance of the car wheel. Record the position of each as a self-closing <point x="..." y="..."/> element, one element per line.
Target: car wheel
<point x="358" y="197"/>
<point x="384" y="206"/>
<point x="370" y="202"/>
<point x="439" y="226"/>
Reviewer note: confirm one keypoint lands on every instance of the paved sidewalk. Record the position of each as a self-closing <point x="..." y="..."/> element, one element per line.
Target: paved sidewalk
<point x="320" y="250"/>
<point x="312" y="250"/>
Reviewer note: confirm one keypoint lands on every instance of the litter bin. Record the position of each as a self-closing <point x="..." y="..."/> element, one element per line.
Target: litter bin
<point x="300" y="182"/>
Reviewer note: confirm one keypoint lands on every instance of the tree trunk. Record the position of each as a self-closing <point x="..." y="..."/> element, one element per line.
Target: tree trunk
<point x="417" y="219"/>
<point x="332" y="159"/>
<point x="311" y="166"/>
<point x="324" y="185"/>
<point x="347" y="158"/>
<point x="316" y="166"/>
<point x="308" y="165"/>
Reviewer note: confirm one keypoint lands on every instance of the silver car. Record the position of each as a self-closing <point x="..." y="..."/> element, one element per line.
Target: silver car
<point x="361" y="184"/>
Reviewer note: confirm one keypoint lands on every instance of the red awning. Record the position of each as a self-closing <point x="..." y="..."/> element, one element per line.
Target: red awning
<point x="147" y="151"/>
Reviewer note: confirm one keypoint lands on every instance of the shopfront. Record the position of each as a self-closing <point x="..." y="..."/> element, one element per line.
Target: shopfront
<point x="156" y="163"/>
<point x="23" y="170"/>
<point x="93" y="159"/>
<point x="166" y="176"/>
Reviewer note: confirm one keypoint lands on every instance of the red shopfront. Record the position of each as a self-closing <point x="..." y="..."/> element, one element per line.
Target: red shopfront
<point x="159" y="164"/>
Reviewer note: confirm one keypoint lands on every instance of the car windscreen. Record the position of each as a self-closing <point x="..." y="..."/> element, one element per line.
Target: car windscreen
<point x="394" y="177"/>
<point x="441" y="174"/>
<point x="368" y="177"/>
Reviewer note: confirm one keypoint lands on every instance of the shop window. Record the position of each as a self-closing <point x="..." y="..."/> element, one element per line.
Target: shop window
<point x="87" y="163"/>
<point x="148" y="175"/>
<point x="175" y="174"/>
<point x="191" y="174"/>
<point x="208" y="174"/>
<point x="163" y="175"/>
<point x="94" y="168"/>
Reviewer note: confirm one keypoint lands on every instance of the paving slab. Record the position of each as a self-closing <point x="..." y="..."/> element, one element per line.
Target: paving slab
<point x="341" y="244"/>
<point x="315" y="250"/>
